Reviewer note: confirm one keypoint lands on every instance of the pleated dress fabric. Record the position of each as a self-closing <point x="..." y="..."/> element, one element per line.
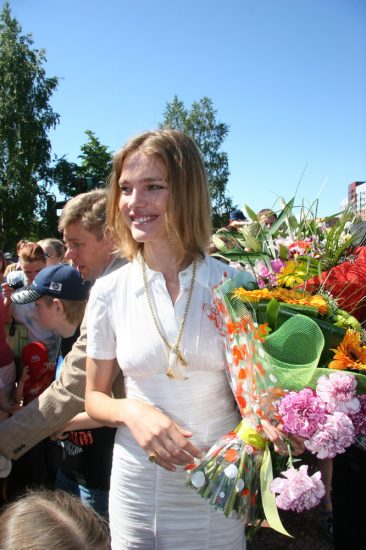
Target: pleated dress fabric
<point x="150" y="507"/>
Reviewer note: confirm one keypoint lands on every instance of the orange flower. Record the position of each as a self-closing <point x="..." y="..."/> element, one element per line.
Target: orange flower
<point x="285" y="295"/>
<point x="239" y="353"/>
<point x="350" y="354"/>
<point x="252" y="295"/>
<point x="231" y="455"/>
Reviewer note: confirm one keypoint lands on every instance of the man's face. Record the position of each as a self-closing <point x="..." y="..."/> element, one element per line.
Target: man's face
<point x="89" y="255"/>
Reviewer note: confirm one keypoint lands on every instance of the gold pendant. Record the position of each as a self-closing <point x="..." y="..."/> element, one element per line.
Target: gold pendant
<point x="175" y="361"/>
<point x="170" y="374"/>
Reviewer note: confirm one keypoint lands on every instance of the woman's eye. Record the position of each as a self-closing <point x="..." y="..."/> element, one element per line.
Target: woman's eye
<point x="155" y="187"/>
<point x="125" y="190"/>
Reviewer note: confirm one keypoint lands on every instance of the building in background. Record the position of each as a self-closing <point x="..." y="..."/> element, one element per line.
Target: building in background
<point x="357" y="197"/>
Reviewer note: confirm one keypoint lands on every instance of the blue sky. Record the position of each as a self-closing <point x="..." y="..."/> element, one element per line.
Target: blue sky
<point x="287" y="76"/>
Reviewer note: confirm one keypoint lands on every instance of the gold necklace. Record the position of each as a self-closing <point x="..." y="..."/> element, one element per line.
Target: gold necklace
<point x="175" y="355"/>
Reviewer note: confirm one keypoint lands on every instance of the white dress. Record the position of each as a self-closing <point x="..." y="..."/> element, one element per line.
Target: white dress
<point x="150" y="508"/>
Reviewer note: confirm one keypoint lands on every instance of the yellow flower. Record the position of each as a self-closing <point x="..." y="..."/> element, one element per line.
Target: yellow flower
<point x="288" y="296"/>
<point x="292" y="274"/>
<point x="350" y="354"/>
<point x="252" y="295"/>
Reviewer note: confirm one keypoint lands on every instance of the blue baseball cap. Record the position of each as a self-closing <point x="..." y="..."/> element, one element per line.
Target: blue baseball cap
<point x="58" y="281"/>
<point x="237" y="215"/>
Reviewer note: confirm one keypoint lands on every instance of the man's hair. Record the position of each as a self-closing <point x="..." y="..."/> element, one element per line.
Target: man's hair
<point x="267" y="212"/>
<point x="74" y="309"/>
<point x="56" y="244"/>
<point x="43" y="520"/>
<point x="31" y="252"/>
<point x="89" y="209"/>
<point x="188" y="217"/>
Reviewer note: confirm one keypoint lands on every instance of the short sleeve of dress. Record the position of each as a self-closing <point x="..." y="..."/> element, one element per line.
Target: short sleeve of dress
<point x="101" y="343"/>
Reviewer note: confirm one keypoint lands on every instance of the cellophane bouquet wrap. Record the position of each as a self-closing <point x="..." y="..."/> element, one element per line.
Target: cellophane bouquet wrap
<point x="236" y="472"/>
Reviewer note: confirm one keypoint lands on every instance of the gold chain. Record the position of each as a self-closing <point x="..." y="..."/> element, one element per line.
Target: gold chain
<point x="172" y="349"/>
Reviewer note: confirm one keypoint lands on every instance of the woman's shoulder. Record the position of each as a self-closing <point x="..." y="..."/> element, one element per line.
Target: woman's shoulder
<point x="219" y="269"/>
<point x="114" y="277"/>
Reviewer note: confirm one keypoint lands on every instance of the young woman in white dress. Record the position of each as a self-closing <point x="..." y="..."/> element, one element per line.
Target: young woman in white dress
<point x="152" y="316"/>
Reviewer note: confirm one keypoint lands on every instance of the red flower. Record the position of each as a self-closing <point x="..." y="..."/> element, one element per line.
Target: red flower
<point x="347" y="283"/>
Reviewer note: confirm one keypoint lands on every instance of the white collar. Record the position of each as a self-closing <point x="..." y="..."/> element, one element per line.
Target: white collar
<point x="202" y="274"/>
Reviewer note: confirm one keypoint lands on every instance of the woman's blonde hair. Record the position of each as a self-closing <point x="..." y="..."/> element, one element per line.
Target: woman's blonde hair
<point x="44" y="520"/>
<point x="188" y="217"/>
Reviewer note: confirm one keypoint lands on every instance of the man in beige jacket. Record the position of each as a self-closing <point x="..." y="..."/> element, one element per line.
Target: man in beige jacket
<point x="92" y="251"/>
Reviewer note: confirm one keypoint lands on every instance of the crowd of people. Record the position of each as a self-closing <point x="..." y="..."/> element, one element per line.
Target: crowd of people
<point x="111" y="405"/>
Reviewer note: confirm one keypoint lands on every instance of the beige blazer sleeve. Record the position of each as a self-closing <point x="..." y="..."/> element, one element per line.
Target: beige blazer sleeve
<point x="55" y="406"/>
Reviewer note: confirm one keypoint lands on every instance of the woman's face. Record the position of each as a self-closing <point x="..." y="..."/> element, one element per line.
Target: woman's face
<point x="51" y="255"/>
<point x="31" y="269"/>
<point x="144" y="197"/>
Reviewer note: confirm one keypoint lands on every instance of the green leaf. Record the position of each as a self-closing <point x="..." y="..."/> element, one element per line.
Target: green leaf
<point x="272" y="312"/>
<point x="252" y="215"/>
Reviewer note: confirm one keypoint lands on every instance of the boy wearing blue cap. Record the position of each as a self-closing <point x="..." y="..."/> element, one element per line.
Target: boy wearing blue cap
<point x="60" y="295"/>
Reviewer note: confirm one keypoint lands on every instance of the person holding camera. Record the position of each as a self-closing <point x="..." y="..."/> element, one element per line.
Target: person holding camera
<point x="32" y="260"/>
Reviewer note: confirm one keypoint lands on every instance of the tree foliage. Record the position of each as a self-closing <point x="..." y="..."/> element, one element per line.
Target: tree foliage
<point x="95" y="166"/>
<point x="200" y="123"/>
<point x="25" y="119"/>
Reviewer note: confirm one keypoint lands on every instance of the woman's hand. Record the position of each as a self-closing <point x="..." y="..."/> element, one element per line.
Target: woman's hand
<point x="280" y="439"/>
<point x="158" y="435"/>
<point x="7" y="291"/>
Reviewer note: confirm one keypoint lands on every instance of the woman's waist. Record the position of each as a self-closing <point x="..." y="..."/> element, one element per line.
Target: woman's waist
<point x="203" y="405"/>
<point x="201" y="391"/>
<point x="204" y="434"/>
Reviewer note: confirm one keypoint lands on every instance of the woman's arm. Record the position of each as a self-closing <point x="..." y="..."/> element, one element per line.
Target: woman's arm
<point x="153" y="430"/>
<point x="8" y="309"/>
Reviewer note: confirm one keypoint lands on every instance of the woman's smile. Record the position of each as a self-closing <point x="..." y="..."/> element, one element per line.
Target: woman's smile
<point x="144" y="197"/>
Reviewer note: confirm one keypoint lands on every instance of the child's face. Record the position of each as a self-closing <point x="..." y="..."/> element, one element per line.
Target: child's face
<point x="47" y="314"/>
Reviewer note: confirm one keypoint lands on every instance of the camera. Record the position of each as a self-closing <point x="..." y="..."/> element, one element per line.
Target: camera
<point x="16" y="285"/>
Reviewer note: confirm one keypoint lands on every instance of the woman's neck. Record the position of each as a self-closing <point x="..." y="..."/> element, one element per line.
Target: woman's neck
<point x="164" y="259"/>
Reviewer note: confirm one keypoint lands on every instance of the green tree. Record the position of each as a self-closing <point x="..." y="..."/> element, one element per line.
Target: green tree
<point x="200" y="123"/>
<point x="95" y="166"/>
<point x="25" y="119"/>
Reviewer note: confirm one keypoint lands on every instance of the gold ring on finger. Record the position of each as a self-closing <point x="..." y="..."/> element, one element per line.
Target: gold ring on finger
<point x="153" y="457"/>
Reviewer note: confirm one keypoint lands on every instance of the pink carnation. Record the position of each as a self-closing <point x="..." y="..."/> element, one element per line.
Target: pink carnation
<point x="333" y="437"/>
<point x="298" y="491"/>
<point x="338" y="391"/>
<point x="302" y="412"/>
<point x="359" y="419"/>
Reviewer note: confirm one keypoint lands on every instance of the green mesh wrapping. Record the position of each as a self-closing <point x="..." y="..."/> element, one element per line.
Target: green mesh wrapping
<point x="295" y="349"/>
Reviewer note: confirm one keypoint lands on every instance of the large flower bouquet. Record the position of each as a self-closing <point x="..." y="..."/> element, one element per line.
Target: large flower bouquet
<point x="283" y="341"/>
<point x="308" y="266"/>
<point x="236" y="474"/>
